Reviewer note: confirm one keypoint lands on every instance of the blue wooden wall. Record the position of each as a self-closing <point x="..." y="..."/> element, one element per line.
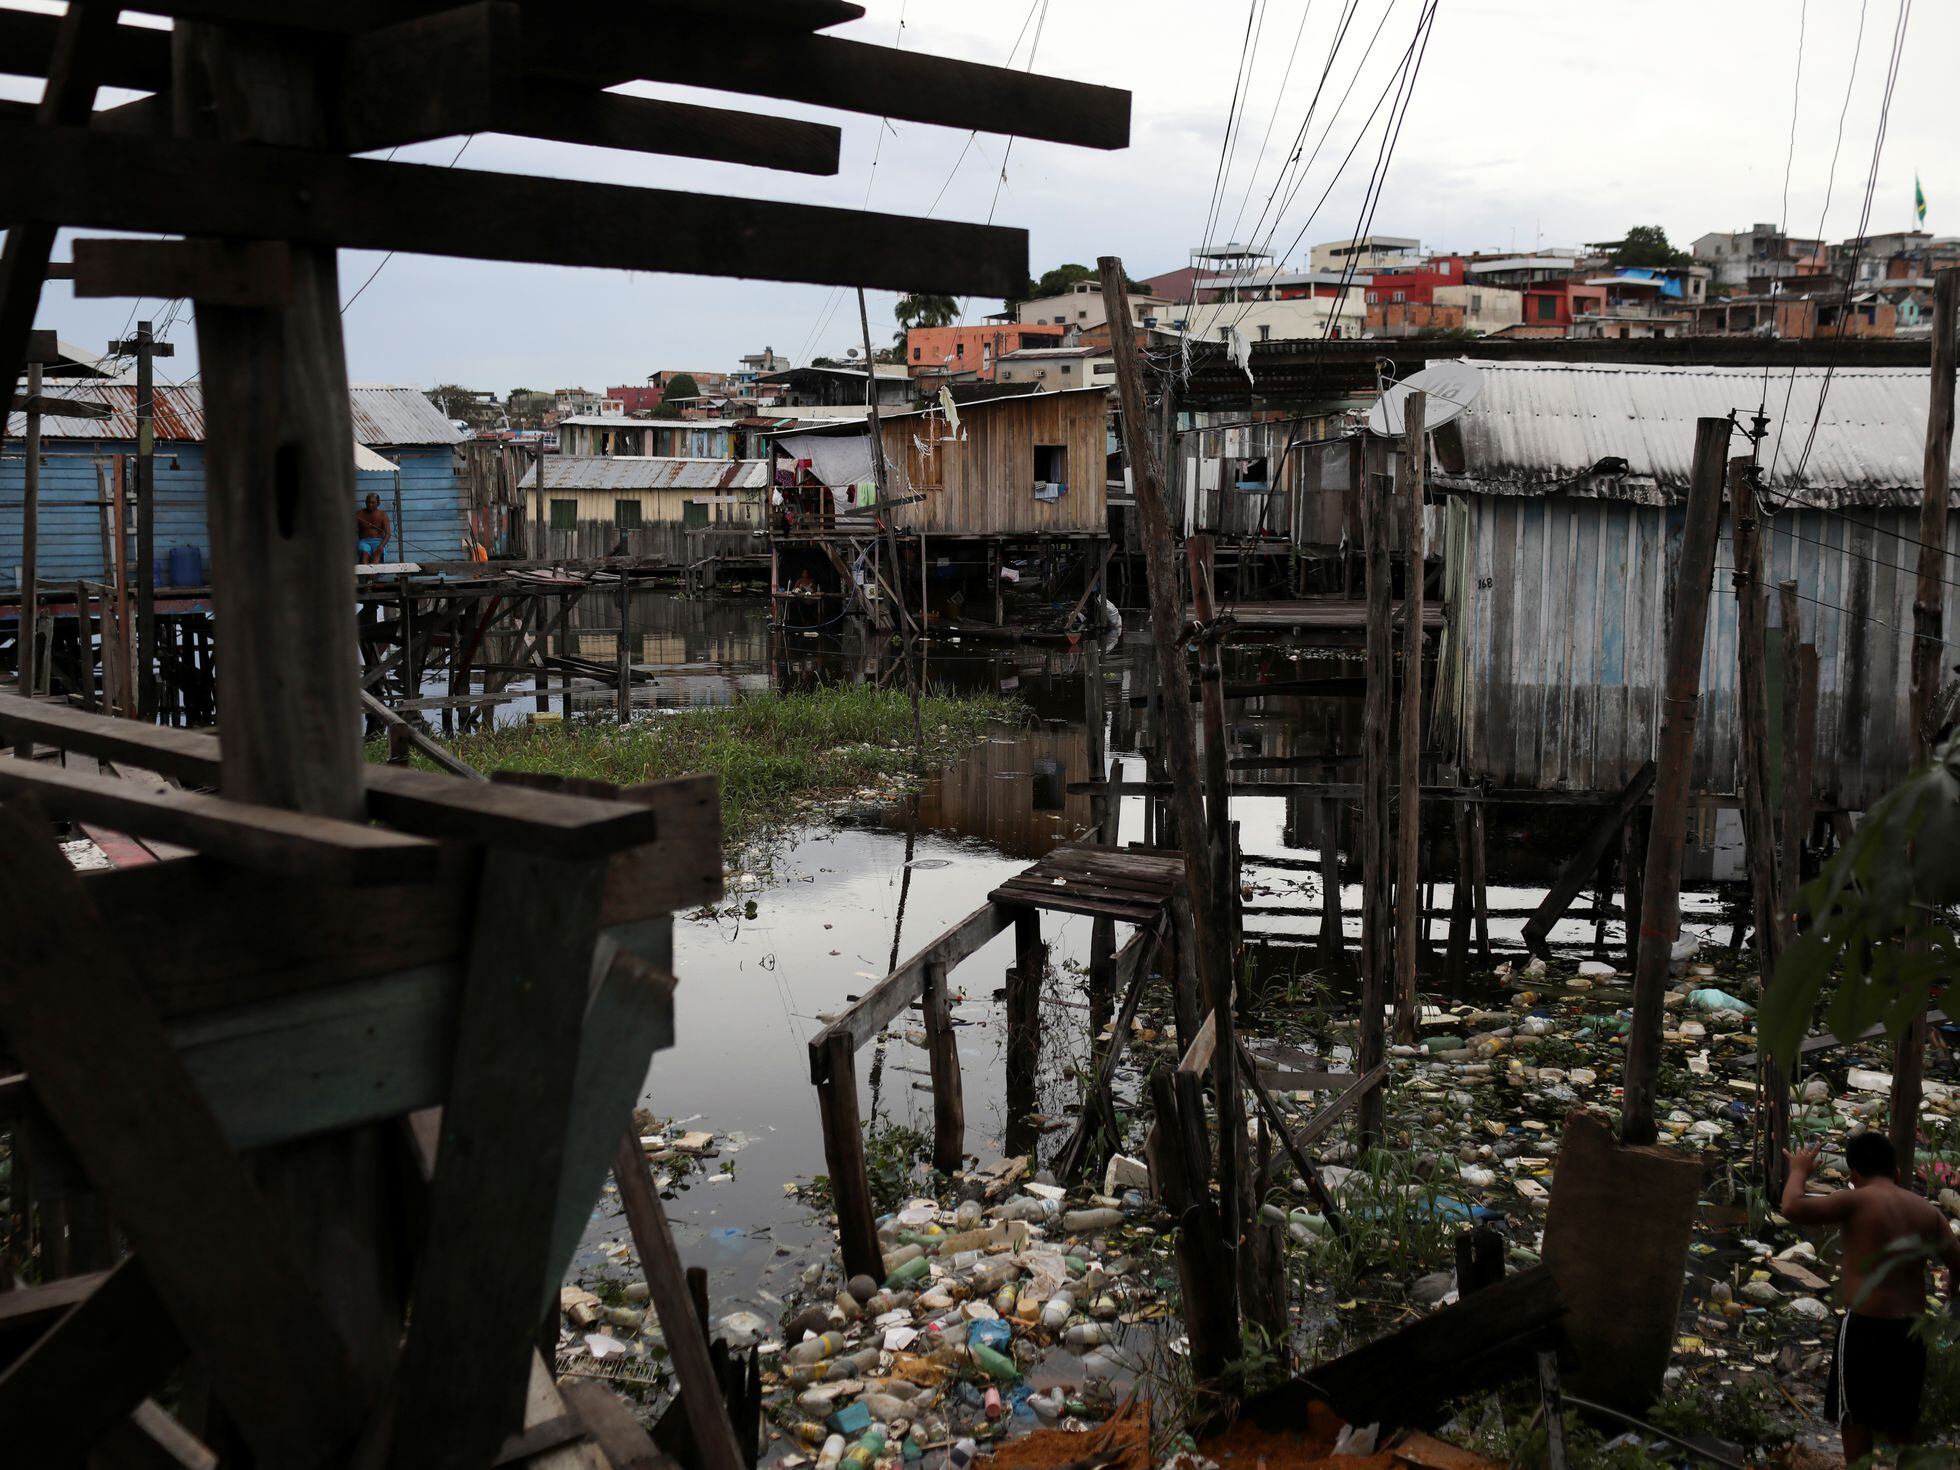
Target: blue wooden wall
<point x="72" y="516"/>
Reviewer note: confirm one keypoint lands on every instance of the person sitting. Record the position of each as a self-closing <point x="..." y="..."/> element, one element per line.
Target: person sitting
<point x="371" y="530"/>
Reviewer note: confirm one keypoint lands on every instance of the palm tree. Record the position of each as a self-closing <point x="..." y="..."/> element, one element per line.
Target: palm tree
<point x="919" y="310"/>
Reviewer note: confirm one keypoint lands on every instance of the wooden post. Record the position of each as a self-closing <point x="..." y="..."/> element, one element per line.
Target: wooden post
<point x="1024" y="1029"/>
<point x="1409" y="923"/>
<point x="948" y="1105"/>
<point x="125" y="647"/>
<point x="1460" y="891"/>
<point x="85" y="646"/>
<point x="903" y="613"/>
<point x="1377" y="956"/>
<point x="1105" y="810"/>
<point x="1633" y="869"/>
<point x="1660" y="920"/>
<point x="622" y="660"/>
<point x="30" y="542"/>
<point x="1208" y="927"/>
<point x="1793" y="822"/>
<point x="1333" y="938"/>
<point x="146" y="523"/>
<point x="843" y="1151"/>
<point x="1200" y="555"/>
<point x="1928" y="654"/>
<point x="1753" y="769"/>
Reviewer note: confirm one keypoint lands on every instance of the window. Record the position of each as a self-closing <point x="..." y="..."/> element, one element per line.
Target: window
<point x="1265" y="331"/>
<point x="1400" y="297"/>
<point x="564" y="515"/>
<point x="1476" y="302"/>
<point x="959" y="349"/>
<point x="628" y="515"/>
<point x="1051" y="464"/>
<point x="1083" y="314"/>
<point x="916" y="352"/>
<point x="1548" y="308"/>
<point x="1068" y="367"/>
<point x="1105" y="369"/>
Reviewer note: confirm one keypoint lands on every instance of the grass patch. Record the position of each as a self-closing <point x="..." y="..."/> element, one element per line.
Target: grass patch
<point x="776" y="754"/>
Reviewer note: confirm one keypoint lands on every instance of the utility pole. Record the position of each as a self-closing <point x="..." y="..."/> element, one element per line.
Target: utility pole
<point x="146" y="349"/>
<point x="30" y="542"/>
<point x="1660" y="904"/>
<point x="1928" y="655"/>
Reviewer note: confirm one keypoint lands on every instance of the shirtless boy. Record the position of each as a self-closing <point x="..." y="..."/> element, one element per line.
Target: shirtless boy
<point x="1879" y="1369"/>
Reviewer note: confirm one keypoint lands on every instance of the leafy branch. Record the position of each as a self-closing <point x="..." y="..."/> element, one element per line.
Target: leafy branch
<point x="1878" y="917"/>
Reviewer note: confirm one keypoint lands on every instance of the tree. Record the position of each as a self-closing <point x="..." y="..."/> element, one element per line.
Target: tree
<point x="1058" y="280"/>
<point x="1647" y="245"/>
<point x="925" y="310"/>
<point x="454" y="400"/>
<point x="681" y="385"/>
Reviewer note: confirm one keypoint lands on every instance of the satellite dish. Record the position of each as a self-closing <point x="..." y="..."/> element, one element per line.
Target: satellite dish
<point x="1450" y="387"/>
<point x="851" y="352"/>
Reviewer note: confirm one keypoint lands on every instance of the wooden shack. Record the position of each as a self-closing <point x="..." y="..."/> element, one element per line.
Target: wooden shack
<point x="990" y="493"/>
<point x="1564" y="523"/>
<point x="674" y="511"/>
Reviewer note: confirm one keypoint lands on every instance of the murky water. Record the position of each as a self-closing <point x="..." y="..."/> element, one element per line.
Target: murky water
<point x="844" y="900"/>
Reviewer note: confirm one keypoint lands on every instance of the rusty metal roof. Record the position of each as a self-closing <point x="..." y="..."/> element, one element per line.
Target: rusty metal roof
<point x="1542" y="427"/>
<point x="637" y="472"/>
<point x="382" y="415"/>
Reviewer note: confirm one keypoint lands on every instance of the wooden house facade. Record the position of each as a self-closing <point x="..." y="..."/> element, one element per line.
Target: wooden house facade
<point x="981" y="498"/>
<point x="1564" y="524"/>
<point x="671" y="511"/>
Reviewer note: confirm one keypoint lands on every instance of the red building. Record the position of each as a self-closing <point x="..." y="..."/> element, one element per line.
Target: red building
<point x="948" y="352"/>
<point x="637" y="400"/>
<point x="1415" y="285"/>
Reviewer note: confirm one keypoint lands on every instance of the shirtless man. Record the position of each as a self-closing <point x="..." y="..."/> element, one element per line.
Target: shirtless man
<point x="1879" y="1368"/>
<point x="371" y="528"/>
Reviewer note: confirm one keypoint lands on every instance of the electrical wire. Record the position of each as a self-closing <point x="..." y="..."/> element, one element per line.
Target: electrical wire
<point x="1231" y="116"/>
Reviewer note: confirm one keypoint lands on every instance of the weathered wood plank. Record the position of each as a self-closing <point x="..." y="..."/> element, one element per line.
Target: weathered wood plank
<point x="150" y="1439"/>
<point x="613" y="1427"/>
<point x="1197" y="1056"/>
<point x="834" y="1071"/>
<point x="1584" y="863"/>
<point x="209" y="272"/>
<point x="106" y="1072"/>
<point x="269" y="838"/>
<point x="1328" y="1116"/>
<point x="73" y="176"/>
<point x="503" y="1137"/>
<point x="869" y="1014"/>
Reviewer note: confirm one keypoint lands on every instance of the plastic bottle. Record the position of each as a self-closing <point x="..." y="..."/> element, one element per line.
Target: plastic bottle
<point x="897" y="1258"/>
<point x="1006" y="1299"/>
<point x="1048" y="1406"/>
<point x="832" y="1453"/>
<point x="811" y="1432"/>
<point x="968" y="1214"/>
<point x="1027" y="1207"/>
<point x="916" y="1269"/>
<point x="864" y="1454"/>
<point x="814" y="1349"/>
<point x="1096" y="1365"/>
<point x="992" y="1405"/>
<point x="1076" y="1221"/>
<point x="961" y="1455"/>
<point x="1027" y="1306"/>
<point x="1086" y="1334"/>
<point x="993" y="1364"/>
<point x="802" y="1375"/>
<point x="1055" y="1312"/>
<point x="886" y="1406"/>
<point x="849" y="1306"/>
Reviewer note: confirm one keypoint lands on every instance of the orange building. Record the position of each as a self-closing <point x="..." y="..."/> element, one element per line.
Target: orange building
<point x="947" y="352"/>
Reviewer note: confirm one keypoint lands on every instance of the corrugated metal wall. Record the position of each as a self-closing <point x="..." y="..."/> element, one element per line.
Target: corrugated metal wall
<point x="74" y="520"/>
<point x="1557" y="610"/>
<point x="983" y="482"/>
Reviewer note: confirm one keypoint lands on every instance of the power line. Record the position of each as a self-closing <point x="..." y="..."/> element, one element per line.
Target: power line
<point x="1231" y="115"/>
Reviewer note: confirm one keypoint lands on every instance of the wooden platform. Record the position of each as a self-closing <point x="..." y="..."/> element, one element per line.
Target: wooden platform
<point x="1102" y="882"/>
<point x="1330" y="614"/>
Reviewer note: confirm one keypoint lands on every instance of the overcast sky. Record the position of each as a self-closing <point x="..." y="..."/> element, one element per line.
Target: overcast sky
<point x="1530" y="124"/>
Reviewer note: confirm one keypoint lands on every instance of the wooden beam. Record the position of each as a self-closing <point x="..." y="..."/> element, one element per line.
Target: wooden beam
<point x="252" y="836"/>
<point x="67" y="408"/>
<point x="137" y="57"/>
<point x="868" y="1015"/>
<point x="72" y="176"/>
<point x="1584" y="863"/>
<point x="504" y="1137"/>
<point x="96" y="1361"/>
<point x="151" y="1439"/>
<point x="1197" y="1056"/>
<point x="1411" y="930"/>
<point x="613" y="1426"/>
<point x="209" y="272"/>
<point x="1328" y="1116"/>
<point x="110" y="1080"/>
<point x="463" y="71"/>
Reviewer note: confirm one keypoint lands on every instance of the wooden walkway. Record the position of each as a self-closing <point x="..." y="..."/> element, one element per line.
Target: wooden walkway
<point x="1326" y="614"/>
<point x="1102" y="882"/>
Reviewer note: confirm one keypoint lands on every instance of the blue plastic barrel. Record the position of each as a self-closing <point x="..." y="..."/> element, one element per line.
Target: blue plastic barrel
<point x="186" y="566"/>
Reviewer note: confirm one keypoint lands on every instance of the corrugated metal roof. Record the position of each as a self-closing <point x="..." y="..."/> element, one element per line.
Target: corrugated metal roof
<point x="615" y="421"/>
<point x="637" y="472"/>
<point x="382" y="415"/>
<point x="1541" y="427"/>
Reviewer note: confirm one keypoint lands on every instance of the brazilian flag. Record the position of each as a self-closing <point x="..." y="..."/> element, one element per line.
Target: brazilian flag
<point x="1918" y="200"/>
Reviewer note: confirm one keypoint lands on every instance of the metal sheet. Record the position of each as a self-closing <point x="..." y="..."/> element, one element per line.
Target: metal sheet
<point x="381" y="414"/>
<point x="635" y="472"/>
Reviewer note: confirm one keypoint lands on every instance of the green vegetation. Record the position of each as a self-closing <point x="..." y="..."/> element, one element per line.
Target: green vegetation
<point x="775" y="754"/>
<point x="1647" y="245"/>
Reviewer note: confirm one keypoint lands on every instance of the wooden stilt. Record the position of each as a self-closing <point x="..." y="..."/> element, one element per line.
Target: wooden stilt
<point x="1660" y="923"/>
<point x="843" y="1149"/>
<point x="948" y="1104"/>
<point x="1377" y="952"/>
<point x="1460" y="905"/>
<point x="1409" y="466"/>
<point x="1333" y="937"/>
<point x="1024" y="1029"/>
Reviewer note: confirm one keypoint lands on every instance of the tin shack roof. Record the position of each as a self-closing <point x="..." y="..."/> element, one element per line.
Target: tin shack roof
<point x="1538" y="428"/>
<point x="646" y="472"/>
<point x="382" y="413"/>
<point x="857" y="425"/>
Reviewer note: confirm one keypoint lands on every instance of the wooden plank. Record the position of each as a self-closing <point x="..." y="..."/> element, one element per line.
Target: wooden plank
<point x="28" y="1311"/>
<point x="105" y="1071"/>
<point x="71" y="176"/>
<point x="612" y="1425"/>
<point x="834" y="1071"/>
<point x="1328" y="1116"/>
<point x="96" y="1362"/>
<point x="648" y="880"/>
<point x="503" y="1137"/>
<point x="1584" y="862"/>
<point x="631" y="1016"/>
<point x="1304" y="1166"/>
<point x="150" y="1439"/>
<point x="687" y="1347"/>
<point x="209" y="272"/>
<point x="1131" y="970"/>
<point x="262" y="837"/>
<point x="876" y="1007"/>
<point x="68" y="408"/>
<point x="462" y="71"/>
<point x="948" y="1101"/>
<point x="1197" y="1056"/>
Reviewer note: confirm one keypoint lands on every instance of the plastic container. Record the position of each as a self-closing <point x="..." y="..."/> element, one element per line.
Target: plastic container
<point x="915" y="1270"/>
<point x="961" y="1455"/>
<point x="992" y="1404"/>
<point x="1086" y="1334"/>
<point x="994" y="1365"/>
<point x="1027" y="1207"/>
<point x="864" y="1454"/>
<point x="1076" y="1221"/>
<point x="815" y="1349"/>
<point x="832" y="1453"/>
<point x="899" y="1257"/>
<point x="1055" y="1312"/>
<point x="186" y="565"/>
